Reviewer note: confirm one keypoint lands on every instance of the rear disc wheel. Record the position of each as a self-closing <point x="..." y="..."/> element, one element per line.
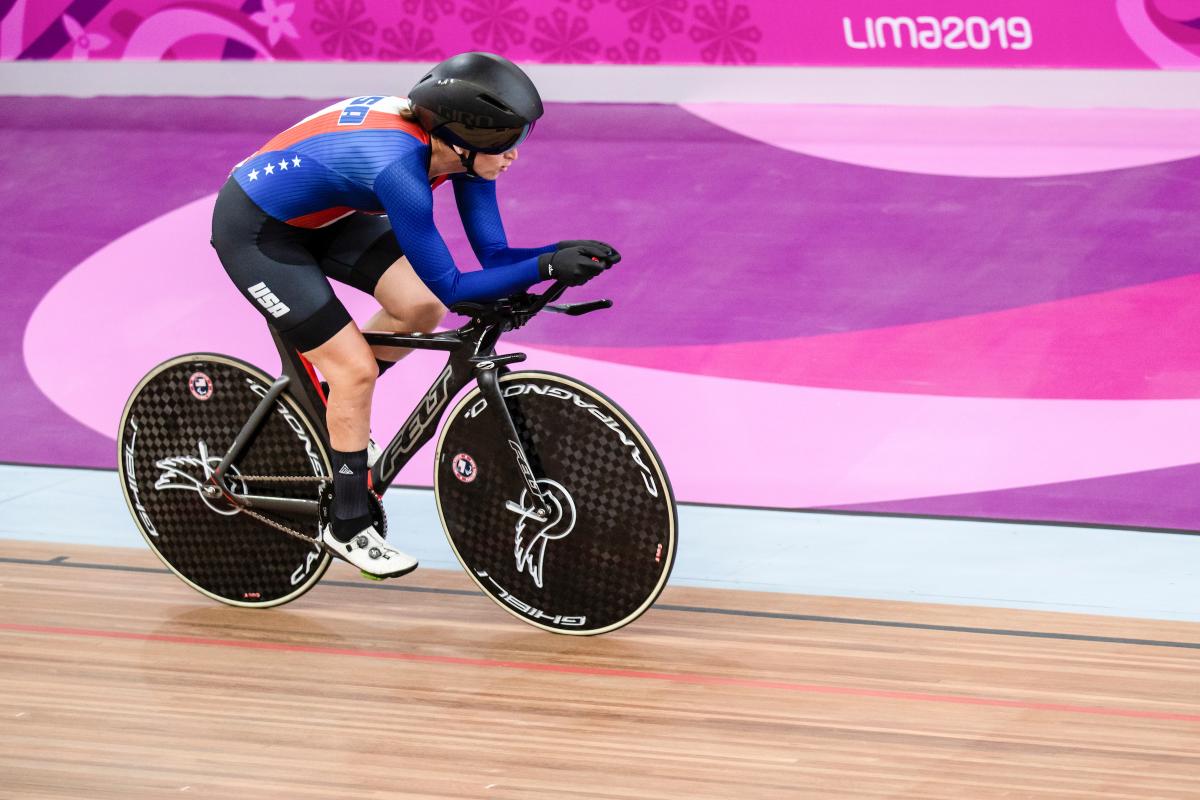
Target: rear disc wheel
<point x="175" y="429"/>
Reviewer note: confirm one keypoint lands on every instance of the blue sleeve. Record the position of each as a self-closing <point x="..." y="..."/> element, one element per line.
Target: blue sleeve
<point x="403" y="189"/>
<point x="480" y="214"/>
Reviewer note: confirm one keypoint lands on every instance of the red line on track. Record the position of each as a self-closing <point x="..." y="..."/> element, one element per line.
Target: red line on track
<point x="567" y="669"/>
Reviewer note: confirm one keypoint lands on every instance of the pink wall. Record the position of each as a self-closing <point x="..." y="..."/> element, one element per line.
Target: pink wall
<point x="1119" y="34"/>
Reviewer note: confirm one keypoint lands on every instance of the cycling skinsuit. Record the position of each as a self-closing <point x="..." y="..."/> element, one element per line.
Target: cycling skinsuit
<point x="308" y="206"/>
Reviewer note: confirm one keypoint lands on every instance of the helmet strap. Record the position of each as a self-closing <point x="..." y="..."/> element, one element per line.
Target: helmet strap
<point x="467" y="159"/>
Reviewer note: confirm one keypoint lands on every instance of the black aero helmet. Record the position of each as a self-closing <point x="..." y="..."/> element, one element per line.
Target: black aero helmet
<point x="480" y="101"/>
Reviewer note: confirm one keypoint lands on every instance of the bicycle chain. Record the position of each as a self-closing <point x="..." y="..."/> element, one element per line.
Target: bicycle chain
<point x="281" y="478"/>
<point x="279" y="526"/>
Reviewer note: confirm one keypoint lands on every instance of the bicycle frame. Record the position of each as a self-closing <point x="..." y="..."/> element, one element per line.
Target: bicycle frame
<point x="472" y="350"/>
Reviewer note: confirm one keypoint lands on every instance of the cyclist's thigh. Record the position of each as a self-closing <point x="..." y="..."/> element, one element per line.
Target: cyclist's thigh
<point x="273" y="266"/>
<point x="364" y="253"/>
<point x="358" y="250"/>
<point x="405" y="297"/>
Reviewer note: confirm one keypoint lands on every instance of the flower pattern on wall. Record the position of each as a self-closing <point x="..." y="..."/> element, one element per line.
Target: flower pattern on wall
<point x="1137" y="34"/>
<point x="655" y="17"/>
<point x="564" y="39"/>
<point x="584" y="5"/>
<point x="276" y="18"/>
<point x="345" y="30"/>
<point x="85" y="43"/>
<point x="406" y="42"/>
<point x="495" y="24"/>
<point x="631" y="51"/>
<point x="430" y="10"/>
<point x="725" y="35"/>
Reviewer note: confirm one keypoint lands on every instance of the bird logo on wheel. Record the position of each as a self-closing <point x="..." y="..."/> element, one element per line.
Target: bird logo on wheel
<point x="191" y="473"/>
<point x="534" y="532"/>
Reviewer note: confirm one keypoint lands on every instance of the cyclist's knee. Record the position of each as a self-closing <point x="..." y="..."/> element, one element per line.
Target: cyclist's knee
<point x="425" y="317"/>
<point x="356" y="376"/>
<point x="345" y="359"/>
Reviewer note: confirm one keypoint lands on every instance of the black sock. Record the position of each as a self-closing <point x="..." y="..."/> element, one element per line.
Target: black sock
<point x="351" y="509"/>
<point x="384" y="366"/>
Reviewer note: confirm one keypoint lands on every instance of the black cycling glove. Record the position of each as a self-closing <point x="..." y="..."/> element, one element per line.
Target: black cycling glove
<point x="611" y="255"/>
<point x="574" y="265"/>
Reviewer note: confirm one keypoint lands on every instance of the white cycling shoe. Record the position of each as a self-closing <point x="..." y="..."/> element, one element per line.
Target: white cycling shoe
<point x="370" y="553"/>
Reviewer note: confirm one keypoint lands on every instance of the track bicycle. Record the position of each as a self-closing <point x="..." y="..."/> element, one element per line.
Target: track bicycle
<point x="553" y="499"/>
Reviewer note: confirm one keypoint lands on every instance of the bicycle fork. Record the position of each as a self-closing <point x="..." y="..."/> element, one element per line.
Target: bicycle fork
<point x="489" y="383"/>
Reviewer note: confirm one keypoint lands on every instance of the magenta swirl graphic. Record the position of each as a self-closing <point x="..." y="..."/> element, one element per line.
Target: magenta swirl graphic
<point x="1178" y="20"/>
<point x="1168" y="31"/>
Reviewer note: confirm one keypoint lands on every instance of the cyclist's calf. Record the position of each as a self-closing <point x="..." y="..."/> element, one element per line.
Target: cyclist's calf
<point x="348" y="365"/>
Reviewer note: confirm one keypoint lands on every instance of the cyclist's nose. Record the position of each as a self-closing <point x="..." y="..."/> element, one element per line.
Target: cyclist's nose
<point x="511" y="155"/>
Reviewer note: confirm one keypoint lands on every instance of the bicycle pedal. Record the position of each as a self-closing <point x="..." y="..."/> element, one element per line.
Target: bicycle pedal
<point x="371" y="577"/>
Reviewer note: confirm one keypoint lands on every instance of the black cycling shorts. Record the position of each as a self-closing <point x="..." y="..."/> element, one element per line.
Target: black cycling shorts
<point x="284" y="270"/>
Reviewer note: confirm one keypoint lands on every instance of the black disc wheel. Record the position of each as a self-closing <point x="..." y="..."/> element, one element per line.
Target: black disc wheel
<point x="176" y="427"/>
<point x="601" y="553"/>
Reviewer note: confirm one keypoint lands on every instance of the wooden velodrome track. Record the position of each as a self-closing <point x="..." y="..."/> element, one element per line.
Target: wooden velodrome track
<point x="117" y="681"/>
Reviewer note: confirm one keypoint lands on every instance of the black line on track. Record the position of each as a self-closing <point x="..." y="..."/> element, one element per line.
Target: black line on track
<point x="836" y="512"/>
<point x="55" y="466"/>
<point x="1050" y="523"/>
<point x="922" y="626"/>
<point x="62" y="561"/>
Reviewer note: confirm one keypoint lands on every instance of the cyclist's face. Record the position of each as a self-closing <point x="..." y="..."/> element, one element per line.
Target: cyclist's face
<point x="490" y="167"/>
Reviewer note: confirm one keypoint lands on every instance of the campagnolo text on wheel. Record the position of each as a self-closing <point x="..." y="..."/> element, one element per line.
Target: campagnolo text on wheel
<point x="246" y="486"/>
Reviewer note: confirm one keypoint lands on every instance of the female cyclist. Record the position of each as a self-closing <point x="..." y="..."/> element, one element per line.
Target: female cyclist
<point x="309" y="206"/>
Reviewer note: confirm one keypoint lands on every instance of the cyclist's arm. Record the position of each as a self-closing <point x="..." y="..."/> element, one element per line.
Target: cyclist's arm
<point x="403" y="189"/>
<point x="480" y="214"/>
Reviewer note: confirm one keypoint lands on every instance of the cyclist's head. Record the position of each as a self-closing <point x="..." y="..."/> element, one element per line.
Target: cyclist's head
<point x="480" y="102"/>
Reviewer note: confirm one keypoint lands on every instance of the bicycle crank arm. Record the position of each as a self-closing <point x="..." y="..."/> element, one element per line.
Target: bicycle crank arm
<point x="535" y="514"/>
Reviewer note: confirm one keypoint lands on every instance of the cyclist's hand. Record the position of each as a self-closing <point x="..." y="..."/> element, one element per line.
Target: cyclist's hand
<point x="575" y="265"/>
<point x="611" y="255"/>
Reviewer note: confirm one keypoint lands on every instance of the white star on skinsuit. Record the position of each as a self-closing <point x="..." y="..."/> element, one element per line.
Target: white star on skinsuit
<point x="253" y="174"/>
<point x="296" y="161"/>
<point x="283" y="164"/>
<point x="269" y="168"/>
